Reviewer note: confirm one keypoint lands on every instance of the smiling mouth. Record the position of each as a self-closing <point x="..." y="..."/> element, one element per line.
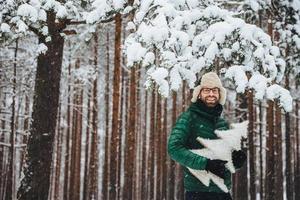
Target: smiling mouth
<point x="212" y="99"/>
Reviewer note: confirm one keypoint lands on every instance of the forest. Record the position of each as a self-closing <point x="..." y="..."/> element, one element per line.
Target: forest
<point x="90" y="91"/>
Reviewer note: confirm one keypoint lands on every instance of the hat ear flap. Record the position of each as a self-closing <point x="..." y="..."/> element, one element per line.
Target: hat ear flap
<point x="222" y="96"/>
<point x="196" y="93"/>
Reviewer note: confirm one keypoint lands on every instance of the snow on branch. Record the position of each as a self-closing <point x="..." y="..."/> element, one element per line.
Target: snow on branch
<point x="187" y="37"/>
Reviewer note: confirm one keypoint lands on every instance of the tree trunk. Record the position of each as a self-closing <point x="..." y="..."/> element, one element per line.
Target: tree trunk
<point x="115" y="140"/>
<point x="278" y="155"/>
<point x="288" y="152"/>
<point x="252" y="152"/>
<point x="151" y="157"/>
<point x="76" y="143"/>
<point x="270" y="169"/>
<point x="130" y="140"/>
<point x="10" y="188"/>
<point x="297" y="154"/>
<point x="93" y="170"/>
<point x="171" y="175"/>
<point x="107" y="120"/>
<point x="158" y="147"/>
<point x="164" y="138"/>
<point x="87" y="178"/>
<point x="240" y="181"/>
<point x="68" y="138"/>
<point x="35" y="184"/>
<point x="261" y="151"/>
<point x="58" y="156"/>
<point x="2" y="157"/>
<point x="179" y="172"/>
<point x="144" y="150"/>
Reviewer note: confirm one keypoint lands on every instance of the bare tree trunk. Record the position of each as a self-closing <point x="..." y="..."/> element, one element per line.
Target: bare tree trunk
<point x="278" y="155"/>
<point x="124" y="116"/>
<point x="164" y="137"/>
<point x="11" y="187"/>
<point x="106" y="165"/>
<point x="35" y="184"/>
<point x="270" y="169"/>
<point x="151" y="157"/>
<point x="297" y="153"/>
<point x="130" y="139"/>
<point x="288" y="157"/>
<point x="158" y="147"/>
<point x="139" y="138"/>
<point x="180" y="175"/>
<point x="171" y="175"/>
<point x="93" y="169"/>
<point x="76" y="143"/>
<point x="240" y="181"/>
<point x="59" y="136"/>
<point x="261" y="151"/>
<point x="115" y="140"/>
<point x="87" y="150"/>
<point x="2" y="157"/>
<point x="68" y="138"/>
<point x="144" y="150"/>
<point x="252" y="152"/>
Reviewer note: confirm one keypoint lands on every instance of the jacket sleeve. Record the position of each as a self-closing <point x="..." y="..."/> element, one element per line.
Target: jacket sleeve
<point x="177" y="145"/>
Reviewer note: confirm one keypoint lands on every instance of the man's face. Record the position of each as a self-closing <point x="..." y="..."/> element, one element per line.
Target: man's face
<point x="210" y="96"/>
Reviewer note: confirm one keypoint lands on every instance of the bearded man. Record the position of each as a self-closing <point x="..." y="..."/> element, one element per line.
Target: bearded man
<point x="201" y="119"/>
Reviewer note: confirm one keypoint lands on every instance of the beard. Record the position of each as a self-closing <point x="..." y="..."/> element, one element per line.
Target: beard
<point x="210" y="101"/>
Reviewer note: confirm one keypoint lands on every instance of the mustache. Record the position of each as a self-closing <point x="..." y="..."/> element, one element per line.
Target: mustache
<point x="210" y="97"/>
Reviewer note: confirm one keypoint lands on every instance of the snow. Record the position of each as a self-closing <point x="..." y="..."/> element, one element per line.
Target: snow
<point x="22" y="27"/>
<point x="5" y="28"/>
<point x="102" y="8"/>
<point x="135" y="53"/>
<point x="221" y="148"/>
<point x="190" y="37"/>
<point x="259" y="83"/>
<point x="277" y="92"/>
<point x="28" y="11"/>
<point x="42" y="49"/>
<point x="159" y="76"/>
<point x="237" y="74"/>
<point x="211" y="52"/>
<point x="175" y="79"/>
<point x="61" y="12"/>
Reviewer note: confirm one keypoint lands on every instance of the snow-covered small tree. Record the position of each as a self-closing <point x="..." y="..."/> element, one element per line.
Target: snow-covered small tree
<point x="178" y="40"/>
<point x="221" y="148"/>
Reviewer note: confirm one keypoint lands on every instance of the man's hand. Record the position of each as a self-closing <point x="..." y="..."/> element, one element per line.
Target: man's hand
<point x="238" y="158"/>
<point x="216" y="167"/>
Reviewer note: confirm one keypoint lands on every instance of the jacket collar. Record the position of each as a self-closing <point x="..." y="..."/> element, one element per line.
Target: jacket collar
<point x="209" y="112"/>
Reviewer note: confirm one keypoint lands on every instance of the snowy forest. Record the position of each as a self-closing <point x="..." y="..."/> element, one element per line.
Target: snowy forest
<point x="90" y="90"/>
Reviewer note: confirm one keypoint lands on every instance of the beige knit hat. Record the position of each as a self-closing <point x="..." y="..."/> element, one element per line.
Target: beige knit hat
<point x="210" y="80"/>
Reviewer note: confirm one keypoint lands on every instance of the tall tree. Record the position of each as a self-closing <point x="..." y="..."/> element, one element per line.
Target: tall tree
<point x="130" y="141"/>
<point x="278" y="155"/>
<point x="252" y="152"/>
<point x="114" y="141"/>
<point x="10" y="192"/>
<point x="75" y="177"/>
<point x="93" y="171"/>
<point x="107" y="120"/>
<point x="35" y="184"/>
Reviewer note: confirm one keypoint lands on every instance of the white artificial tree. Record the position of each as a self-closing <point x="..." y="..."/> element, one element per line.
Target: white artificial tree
<point x="221" y="148"/>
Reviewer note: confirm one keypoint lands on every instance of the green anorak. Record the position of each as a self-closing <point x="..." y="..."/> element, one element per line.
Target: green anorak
<point x="198" y="121"/>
